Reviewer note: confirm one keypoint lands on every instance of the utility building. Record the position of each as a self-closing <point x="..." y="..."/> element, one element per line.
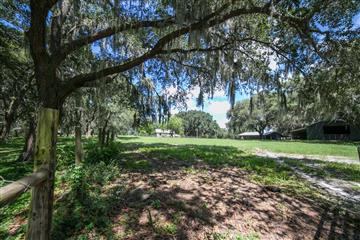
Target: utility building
<point x="328" y="130"/>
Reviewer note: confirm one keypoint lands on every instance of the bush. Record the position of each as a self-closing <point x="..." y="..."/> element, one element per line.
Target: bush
<point x="86" y="206"/>
<point x="65" y="156"/>
<point x="102" y="173"/>
<point x="104" y="154"/>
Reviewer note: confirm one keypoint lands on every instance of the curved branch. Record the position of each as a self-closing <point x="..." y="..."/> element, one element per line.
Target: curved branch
<point x="70" y="47"/>
<point x="207" y="22"/>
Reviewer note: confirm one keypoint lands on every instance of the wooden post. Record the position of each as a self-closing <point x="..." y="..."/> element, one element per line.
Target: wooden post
<point x="358" y="149"/>
<point x="40" y="215"/>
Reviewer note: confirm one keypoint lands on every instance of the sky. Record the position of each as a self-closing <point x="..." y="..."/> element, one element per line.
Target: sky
<point x="219" y="105"/>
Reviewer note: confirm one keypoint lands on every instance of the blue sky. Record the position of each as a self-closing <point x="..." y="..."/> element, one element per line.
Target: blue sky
<point x="356" y="20"/>
<point x="217" y="106"/>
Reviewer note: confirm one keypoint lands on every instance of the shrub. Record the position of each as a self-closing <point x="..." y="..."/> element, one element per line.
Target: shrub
<point x="65" y="156"/>
<point x="102" y="173"/>
<point x="87" y="206"/>
<point x="104" y="154"/>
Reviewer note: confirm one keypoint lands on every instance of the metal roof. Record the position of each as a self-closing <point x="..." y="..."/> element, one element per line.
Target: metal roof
<point x="249" y="134"/>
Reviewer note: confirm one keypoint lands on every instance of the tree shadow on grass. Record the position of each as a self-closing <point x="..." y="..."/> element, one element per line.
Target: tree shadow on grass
<point x="11" y="170"/>
<point x="127" y="137"/>
<point x="192" y="191"/>
<point x="324" y="169"/>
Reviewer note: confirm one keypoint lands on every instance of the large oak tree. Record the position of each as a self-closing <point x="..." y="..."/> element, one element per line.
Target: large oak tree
<point x="226" y="43"/>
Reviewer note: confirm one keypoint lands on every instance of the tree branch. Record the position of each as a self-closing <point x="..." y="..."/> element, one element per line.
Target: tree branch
<point x="208" y="21"/>
<point x="70" y="47"/>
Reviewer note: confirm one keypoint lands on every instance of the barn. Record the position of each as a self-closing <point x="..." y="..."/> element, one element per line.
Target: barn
<point x="273" y="136"/>
<point x="249" y="135"/>
<point x="328" y="130"/>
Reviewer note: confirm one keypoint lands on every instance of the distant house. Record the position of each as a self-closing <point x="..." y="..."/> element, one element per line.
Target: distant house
<point x="163" y="133"/>
<point x="328" y="130"/>
<point x="273" y="136"/>
<point x="249" y="135"/>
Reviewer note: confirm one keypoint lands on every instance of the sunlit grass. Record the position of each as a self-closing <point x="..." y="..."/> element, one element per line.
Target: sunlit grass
<point x="345" y="149"/>
<point x="75" y="217"/>
<point x="343" y="171"/>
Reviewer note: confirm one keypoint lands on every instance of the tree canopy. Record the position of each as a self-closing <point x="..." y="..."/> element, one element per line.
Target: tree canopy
<point x="199" y="124"/>
<point x="256" y="114"/>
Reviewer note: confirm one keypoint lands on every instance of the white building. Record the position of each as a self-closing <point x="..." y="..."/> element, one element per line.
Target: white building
<point x="249" y="135"/>
<point x="163" y="133"/>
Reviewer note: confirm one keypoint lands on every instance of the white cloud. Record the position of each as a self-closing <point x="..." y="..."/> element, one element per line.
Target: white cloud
<point x="219" y="93"/>
<point x="222" y="122"/>
<point x="273" y="63"/>
<point x="194" y="92"/>
<point x="191" y="98"/>
<point x="218" y="107"/>
<point x="171" y="91"/>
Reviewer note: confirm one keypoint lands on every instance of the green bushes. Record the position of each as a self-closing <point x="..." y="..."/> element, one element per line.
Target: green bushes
<point x="96" y="154"/>
<point x="65" y="156"/>
<point x="87" y="206"/>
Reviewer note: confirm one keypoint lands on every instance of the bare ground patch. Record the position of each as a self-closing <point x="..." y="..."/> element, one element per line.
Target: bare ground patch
<point x="203" y="202"/>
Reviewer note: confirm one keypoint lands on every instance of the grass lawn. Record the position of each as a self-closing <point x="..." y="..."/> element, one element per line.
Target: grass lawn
<point x="344" y="149"/>
<point x="177" y="188"/>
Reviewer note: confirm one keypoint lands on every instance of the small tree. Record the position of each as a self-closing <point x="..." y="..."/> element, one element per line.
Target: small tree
<point x="176" y="125"/>
<point x="198" y="124"/>
<point x="253" y="117"/>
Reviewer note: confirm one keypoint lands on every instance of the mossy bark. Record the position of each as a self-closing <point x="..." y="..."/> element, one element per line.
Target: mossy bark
<point x="28" y="149"/>
<point x="40" y="215"/>
<point x="78" y="146"/>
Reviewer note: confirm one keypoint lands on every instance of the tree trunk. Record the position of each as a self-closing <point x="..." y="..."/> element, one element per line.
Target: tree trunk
<point x="10" y="117"/>
<point x="1" y="130"/>
<point x="107" y="141"/>
<point x="261" y="135"/>
<point x="40" y="215"/>
<point x="7" y="127"/>
<point x="100" y="136"/>
<point x="78" y="146"/>
<point x="28" y="148"/>
<point x="112" y="137"/>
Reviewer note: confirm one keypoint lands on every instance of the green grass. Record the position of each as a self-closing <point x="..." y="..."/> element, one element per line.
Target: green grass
<point x="261" y="170"/>
<point x="343" y="171"/>
<point x="91" y="197"/>
<point x="345" y="149"/>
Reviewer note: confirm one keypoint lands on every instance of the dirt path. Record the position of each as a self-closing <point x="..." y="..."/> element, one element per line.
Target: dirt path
<point x="338" y="159"/>
<point x="335" y="187"/>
